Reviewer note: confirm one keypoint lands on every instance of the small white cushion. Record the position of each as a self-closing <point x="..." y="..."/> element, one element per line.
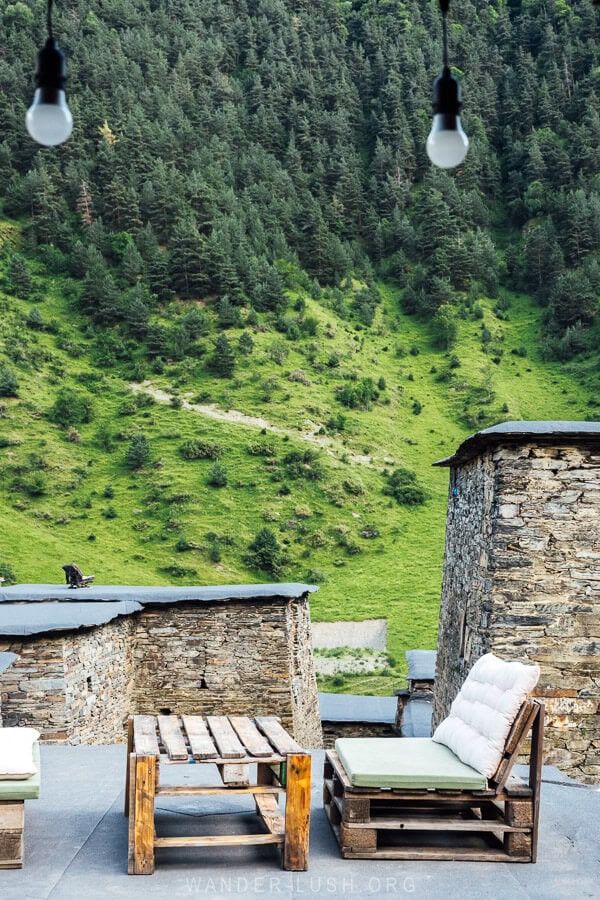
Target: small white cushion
<point x="484" y="710"/>
<point x="16" y="753"/>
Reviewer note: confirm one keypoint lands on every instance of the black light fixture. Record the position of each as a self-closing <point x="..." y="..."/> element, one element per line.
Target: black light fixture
<point x="447" y="143"/>
<point x="49" y="120"/>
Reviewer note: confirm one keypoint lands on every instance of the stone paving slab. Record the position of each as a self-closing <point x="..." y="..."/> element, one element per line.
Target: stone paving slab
<point x="76" y="847"/>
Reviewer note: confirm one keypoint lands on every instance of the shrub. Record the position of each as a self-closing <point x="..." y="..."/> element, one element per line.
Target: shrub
<point x="9" y="385"/>
<point x="198" y="449"/>
<point x="266" y="553"/>
<point x="178" y="571"/>
<point x="7" y="573"/>
<point x="402" y="484"/>
<point x="71" y="408"/>
<point x="138" y="452"/>
<point x="316" y="576"/>
<point x="261" y="448"/>
<point x="303" y="464"/>
<point x="353" y="486"/>
<point x="358" y="396"/>
<point x="417" y="408"/>
<point x="109" y="492"/>
<point x="109" y="513"/>
<point x="217" y="477"/>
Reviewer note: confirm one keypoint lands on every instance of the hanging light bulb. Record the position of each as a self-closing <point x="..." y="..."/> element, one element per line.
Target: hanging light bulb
<point x="447" y="143"/>
<point x="49" y="120"/>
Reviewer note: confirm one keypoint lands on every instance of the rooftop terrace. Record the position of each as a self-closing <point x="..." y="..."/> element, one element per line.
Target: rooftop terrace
<point x="76" y="847"/>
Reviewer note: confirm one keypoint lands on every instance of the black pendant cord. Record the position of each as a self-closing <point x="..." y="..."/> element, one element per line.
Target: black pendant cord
<point x="444" y="6"/>
<point x="49" y="19"/>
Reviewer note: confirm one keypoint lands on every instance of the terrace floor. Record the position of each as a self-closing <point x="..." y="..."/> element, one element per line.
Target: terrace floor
<point x="76" y="847"/>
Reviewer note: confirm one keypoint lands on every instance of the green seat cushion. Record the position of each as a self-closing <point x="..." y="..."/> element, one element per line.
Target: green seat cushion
<point x="405" y="763"/>
<point x="28" y="788"/>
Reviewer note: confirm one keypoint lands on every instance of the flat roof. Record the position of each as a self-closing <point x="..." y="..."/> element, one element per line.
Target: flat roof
<point x="27" y="609"/>
<point x="421" y="665"/>
<point x="76" y="845"/>
<point x="31" y="593"/>
<point x="521" y="432"/>
<point x="357" y="708"/>
<point x="22" y="619"/>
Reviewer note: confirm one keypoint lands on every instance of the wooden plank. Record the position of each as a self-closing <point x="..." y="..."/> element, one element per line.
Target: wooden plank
<point x="518" y="725"/>
<point x="225" y="737"/>
<point x="269" y="811"/>
<point x="451" y="854"/>
<point x="131" y="808"/>
<point x="200" y="791"/>
<point x="201" y="743"/>
<point x="221" y="840"/>
<point x="516" y="740"/>
<point x="358" y="838"/>
<point x="536" y="759"/>
<point x="426" y="823"/>
<point x="143" y="819"/>
<point x="273" y="730"/>
<point x="250" y="736"/>
<point x="144" y="736"/>
<point x="297" y="813"/>
<point x="172" y="737"/>
<point x="12" y="815"/>
<point x="234" y="774"/>
<point x="127" y="767"/>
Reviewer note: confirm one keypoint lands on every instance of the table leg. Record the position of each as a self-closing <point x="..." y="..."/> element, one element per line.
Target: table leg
<point x="141" y="832"/>
<point x="297" y="812"/>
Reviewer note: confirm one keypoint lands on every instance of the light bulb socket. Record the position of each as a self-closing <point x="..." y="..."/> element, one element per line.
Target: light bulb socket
<point x="446" y="94"/>
<point x="51" y="71"/>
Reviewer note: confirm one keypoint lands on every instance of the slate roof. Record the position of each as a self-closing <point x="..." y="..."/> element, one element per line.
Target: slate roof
<point x="520" y="433"/>
<point x="356" y="708"/>
<point x="195" y="593"/>
<point x="421" y="665"/>
<point x="36" y="608"/>
<point x="25" y="619"/>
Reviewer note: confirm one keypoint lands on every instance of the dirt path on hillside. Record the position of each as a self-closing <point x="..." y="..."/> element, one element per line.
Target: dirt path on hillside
<point x="212" y="411"/>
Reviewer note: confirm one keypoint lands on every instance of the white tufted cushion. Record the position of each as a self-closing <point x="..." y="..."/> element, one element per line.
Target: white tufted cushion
<point x="16" y="753"/>
<point x="484" y="710"/>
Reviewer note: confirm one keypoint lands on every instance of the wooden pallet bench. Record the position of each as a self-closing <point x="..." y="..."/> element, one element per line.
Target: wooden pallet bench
<point x="13" y="794"/>
<point x="232" y="744"/>
<point x="496" y="824"/>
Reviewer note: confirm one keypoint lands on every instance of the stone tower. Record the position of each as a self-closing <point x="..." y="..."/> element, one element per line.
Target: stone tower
<point x="522" y="573"/>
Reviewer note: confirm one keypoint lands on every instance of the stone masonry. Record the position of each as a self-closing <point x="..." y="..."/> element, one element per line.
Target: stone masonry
<point x="232" y="657"/>
<point x="522" y="579"/>
<point x="236" y="658"/>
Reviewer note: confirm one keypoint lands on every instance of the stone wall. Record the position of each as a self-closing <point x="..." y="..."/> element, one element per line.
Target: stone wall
<point x="33" y="689"/>
<point x="334" y="730"/>
<point x="98" y="675"/>
<point x="233" y="657"/>
<point x="522" y="579"/>
<point x="71" y="687"/>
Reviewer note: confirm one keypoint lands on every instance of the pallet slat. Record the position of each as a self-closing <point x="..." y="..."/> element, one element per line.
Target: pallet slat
<point x="225" y="737"/>
<point x="272" y="729"/>
<point x="144" y="735"/>
<point x="222" y="840"/>
<point x="172" y="737"/>
<point x="268" y="809"/>
<point x="254" y="742"/>
<point x="201" y="744"/>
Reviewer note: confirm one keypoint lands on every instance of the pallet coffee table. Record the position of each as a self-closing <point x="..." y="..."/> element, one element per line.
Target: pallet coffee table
<point x="232" y="744"/>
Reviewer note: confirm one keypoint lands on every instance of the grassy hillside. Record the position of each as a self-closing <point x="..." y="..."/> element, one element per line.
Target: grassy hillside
<point x="67" y="493"/>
